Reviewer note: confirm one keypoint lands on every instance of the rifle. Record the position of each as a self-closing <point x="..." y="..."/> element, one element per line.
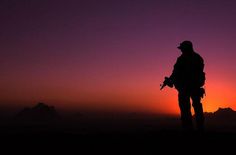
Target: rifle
<point x="166" y="82"/>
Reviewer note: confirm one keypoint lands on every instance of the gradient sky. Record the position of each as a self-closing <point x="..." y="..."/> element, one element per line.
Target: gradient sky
<point x="113" y="54"/>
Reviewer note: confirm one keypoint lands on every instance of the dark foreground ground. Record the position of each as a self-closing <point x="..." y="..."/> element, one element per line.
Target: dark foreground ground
<point x="164" y="142"/>
<point x="115" y="138"/>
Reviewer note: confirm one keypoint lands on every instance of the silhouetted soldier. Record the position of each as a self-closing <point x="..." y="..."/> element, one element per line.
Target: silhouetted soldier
<point x="188" y="78"/>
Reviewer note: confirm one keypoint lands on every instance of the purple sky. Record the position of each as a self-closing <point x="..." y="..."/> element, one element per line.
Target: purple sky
<point x="78" y="52"/>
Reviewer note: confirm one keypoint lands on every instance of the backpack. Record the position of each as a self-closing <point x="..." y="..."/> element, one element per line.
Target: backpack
<point x="202" y="79"/>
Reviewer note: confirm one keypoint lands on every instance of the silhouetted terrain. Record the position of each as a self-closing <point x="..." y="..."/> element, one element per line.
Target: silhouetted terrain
<point x="39" y="113"/>
<point x="224" y="120"/>
<point x="226" y="114"/>
<point x="115" y="133"/>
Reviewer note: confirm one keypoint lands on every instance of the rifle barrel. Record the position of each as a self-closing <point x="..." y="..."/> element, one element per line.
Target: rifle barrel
<point x="162" y="86"/>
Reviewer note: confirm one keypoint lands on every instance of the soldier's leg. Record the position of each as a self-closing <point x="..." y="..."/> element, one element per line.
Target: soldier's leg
<point x="185" y="109"/>
<point x="199" y="115"/>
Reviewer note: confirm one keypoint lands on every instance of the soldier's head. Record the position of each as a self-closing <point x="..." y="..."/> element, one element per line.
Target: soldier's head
<point x="186" y="46"/>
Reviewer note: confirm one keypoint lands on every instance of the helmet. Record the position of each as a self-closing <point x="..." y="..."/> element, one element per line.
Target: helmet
<point x="186" y="45"/>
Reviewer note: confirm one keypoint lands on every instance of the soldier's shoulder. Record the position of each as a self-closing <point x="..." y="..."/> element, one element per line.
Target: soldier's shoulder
<point x="180" y="57"/>
<point x="197" y="55"/>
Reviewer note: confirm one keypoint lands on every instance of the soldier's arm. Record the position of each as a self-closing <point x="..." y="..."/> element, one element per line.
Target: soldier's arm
<point x="175" y="70"/>
<point x="202" y="63"/>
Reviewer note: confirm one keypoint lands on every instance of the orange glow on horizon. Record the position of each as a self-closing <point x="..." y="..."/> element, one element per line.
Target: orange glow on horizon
<point x="127" y="93"/>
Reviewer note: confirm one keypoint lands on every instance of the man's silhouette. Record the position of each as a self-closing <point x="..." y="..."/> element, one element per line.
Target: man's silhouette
<point x="188" y="78"/>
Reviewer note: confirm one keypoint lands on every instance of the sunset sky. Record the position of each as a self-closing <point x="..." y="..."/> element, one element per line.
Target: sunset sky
<point x="111" y="54"/>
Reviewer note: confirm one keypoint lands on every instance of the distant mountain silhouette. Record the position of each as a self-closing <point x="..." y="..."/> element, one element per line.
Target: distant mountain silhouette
<point x="39" y="113"/>
<point x="222" y="114"/>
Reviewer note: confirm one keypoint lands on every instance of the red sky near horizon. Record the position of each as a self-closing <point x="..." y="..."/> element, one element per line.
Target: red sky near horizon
<point x="113" y="54"/>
